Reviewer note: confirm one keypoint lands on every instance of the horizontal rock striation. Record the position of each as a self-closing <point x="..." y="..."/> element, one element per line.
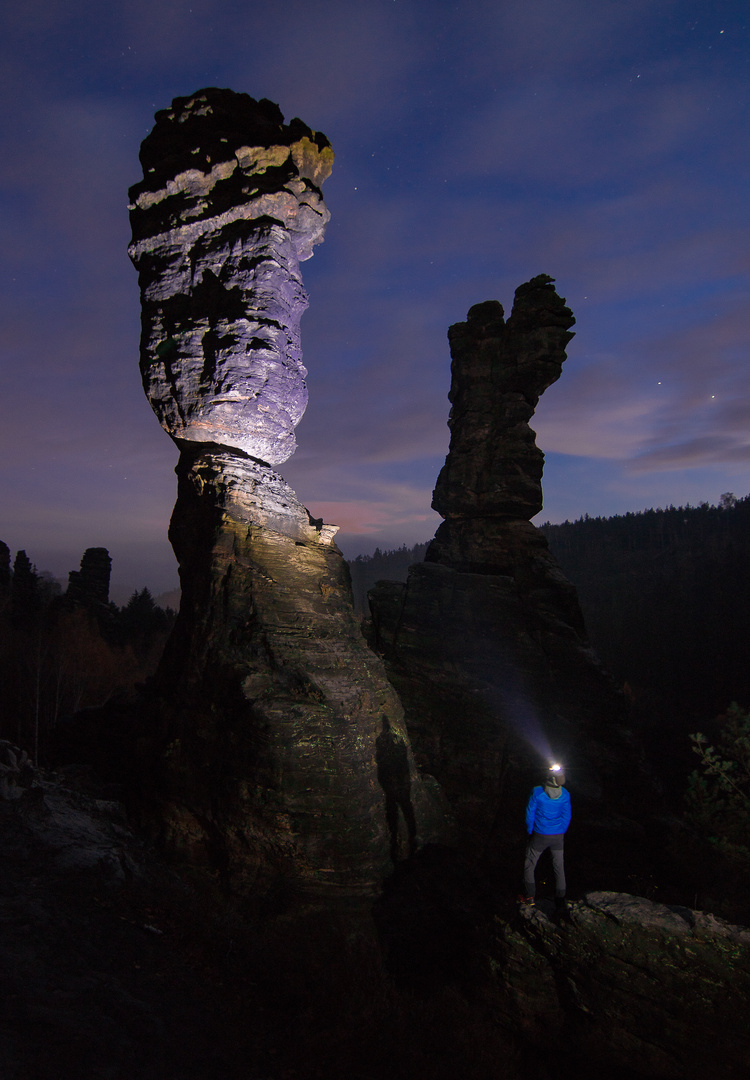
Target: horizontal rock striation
<point x="275" y="701"/>
<point x="229" y="206"/>
<point x="265" y="760"/>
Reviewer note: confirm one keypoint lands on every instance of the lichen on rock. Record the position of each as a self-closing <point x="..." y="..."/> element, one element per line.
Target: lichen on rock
<point x="624" y="979"/>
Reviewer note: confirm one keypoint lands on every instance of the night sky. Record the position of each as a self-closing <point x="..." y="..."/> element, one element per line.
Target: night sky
<point x="477" y="144"/>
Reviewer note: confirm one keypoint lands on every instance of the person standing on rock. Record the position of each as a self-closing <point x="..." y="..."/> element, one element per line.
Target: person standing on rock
<point x="547" y="820"/>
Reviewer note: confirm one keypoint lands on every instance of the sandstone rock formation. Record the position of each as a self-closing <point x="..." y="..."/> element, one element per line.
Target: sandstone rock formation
<point x="269" y="703"/>
<point x="630" y="985"/>
<point x="90" y="584"/>
<point x="485" y="642"/>
<point x="116" y="961"/>
<point x="493" y="473"/>
<point x="500" y="370"/>
<point x="229" y="206"/>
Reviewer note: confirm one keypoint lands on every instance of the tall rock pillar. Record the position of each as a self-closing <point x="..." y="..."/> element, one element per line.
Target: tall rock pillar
<point x="269" y="702"/>
<point x="491" y="483"/>
<point x="485" y="642"/>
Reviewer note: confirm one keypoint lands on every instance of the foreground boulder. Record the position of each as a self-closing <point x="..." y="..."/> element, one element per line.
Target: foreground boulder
<point x="113" y="967"/>
<point x="627" y="984"/>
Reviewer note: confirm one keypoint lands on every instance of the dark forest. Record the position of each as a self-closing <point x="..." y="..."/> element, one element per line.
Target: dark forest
<point x="61" y="652"/>
<point x="665" y="595"/>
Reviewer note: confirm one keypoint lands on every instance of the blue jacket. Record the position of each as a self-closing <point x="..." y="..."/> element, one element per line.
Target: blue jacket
<point x="545" y="815"/>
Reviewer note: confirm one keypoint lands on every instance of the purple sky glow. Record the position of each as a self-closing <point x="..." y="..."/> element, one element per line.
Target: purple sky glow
<point x="477" y="144"/>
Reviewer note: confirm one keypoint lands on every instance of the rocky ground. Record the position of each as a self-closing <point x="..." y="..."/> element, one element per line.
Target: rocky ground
<point x="112" y="966"/>
<point x="99" y="975"/>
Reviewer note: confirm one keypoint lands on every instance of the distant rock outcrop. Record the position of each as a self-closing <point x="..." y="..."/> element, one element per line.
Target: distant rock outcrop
<point x="4" y="573"/>
<point x="90" y="584"/>
<point x="500" y="370"/>
<point x="269" y="701"/>
<point x="485" y="642"/>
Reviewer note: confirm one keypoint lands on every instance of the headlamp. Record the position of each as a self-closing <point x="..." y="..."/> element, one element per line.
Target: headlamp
<point x="555" y="767"/>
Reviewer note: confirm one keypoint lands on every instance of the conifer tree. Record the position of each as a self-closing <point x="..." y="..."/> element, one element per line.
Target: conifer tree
<point x="718" y="794"/>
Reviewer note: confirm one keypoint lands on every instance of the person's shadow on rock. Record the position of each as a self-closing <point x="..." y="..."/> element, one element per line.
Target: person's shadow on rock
<point x="393" y="776"/>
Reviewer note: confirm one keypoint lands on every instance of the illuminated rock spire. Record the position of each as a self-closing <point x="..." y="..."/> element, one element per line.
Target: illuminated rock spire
<point x="229" y="206"/>
<point x="267" y="699"/>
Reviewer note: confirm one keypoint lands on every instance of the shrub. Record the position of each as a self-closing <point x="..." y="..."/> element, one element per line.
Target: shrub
<point x="718" y="793"/>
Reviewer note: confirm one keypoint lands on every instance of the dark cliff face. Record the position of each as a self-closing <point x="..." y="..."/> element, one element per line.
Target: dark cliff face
<point x="268" y="704"/>
<point x="499" y="371"/>
<point x="485" y="642"/>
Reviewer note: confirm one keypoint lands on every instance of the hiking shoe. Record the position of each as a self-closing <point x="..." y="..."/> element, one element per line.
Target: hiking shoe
<point x="526" y="901"/>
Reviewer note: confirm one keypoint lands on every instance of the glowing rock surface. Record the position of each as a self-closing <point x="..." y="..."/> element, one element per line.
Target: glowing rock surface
<point x="229" y="206"/>
<point x="267" y="698"/>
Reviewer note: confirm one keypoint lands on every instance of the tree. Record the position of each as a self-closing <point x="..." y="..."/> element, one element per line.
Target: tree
<point x="26" y="599"/>
<point x="391" y="565"/>
<point x="718" y="794"/>
<point x="143" y="625"/>
<point x="60" y="654"/>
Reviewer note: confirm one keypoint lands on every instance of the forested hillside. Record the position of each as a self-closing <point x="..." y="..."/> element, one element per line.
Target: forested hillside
<point x="61" y="652"/>
<point x="665" y="595"/>
<point x="666" y="599"/>
<point x="381" y="566"/>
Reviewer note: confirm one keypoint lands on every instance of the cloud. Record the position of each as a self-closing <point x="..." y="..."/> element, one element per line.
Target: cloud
<point x="677" y="399"/>
<point x="544" y="123"/>
<point x="402" y="516"/>
<point x="699" y="451"/>
<point x="318" y="61"/>
<point x="389" y="517"/>
<point x="477" y="145"/>
<point x="604" y="420"/>
<point x="370" y="504"/>
<point x="574" y="486"/>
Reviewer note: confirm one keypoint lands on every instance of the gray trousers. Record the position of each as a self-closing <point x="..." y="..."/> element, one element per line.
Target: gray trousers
<point x="538" y="843"/>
